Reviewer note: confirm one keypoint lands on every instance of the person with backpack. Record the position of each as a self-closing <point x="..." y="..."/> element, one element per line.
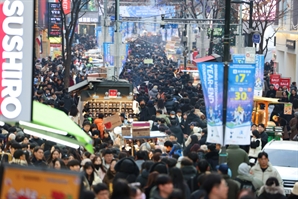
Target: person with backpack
<point x="246" y="180"/>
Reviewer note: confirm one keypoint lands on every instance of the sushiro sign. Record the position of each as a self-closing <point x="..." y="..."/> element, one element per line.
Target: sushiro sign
<point x="16" y="57"/>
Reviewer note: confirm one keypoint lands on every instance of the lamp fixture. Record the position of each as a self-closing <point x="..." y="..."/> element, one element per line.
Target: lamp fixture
<point x="53" y="139"/>
<point x="35" y="126"/>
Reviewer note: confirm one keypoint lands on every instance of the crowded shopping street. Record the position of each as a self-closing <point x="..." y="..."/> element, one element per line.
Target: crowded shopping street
<point x="144" y="118"/>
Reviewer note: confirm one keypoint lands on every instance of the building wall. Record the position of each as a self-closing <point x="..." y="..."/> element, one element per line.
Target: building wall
<point x="286" y="58"/>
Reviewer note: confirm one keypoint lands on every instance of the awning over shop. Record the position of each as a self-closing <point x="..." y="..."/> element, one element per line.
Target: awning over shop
<point x="54" y="125"/>
<point x="203" y="59"/>
<point x="78" y="85"/>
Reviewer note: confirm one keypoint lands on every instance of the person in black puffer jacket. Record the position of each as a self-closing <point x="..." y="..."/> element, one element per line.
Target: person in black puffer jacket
<point x="143" y="177"/>
<point x="212" y="157"/>
<point x="170" y="104"/>
<point x="126" y="169"/>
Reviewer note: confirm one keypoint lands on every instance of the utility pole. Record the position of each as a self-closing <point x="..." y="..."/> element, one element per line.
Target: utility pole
<point x="203" y="32"/>
<point x="251" y="8"/>
<point x="117" y="42"/>
<point x="184" y="37"/>
<point x="105" y="29"/>
<point x="223" y="153"/>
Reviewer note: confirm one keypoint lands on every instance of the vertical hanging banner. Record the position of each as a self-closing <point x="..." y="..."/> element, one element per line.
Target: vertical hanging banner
<point x="259" y="76"/>
<point x="212" y="83"/>
<point x="240" y="103"/>
<point x="16" y="60"/>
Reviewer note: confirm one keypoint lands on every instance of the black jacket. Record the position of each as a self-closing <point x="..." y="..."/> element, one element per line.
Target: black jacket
<point x="178" y="132"/>
<point x="144" y="114"/>
<point x="212" y="158"/>
<point x="194" y="118"/>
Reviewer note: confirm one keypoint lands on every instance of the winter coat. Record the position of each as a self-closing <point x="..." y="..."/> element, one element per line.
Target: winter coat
<point x="264" y="138"/>
<point x="100" y="126"/>
<point x="257" y="172"/>
<point x="188" y="172"/>
<point x="151" y="108"/>
<point x="194" y="118"/>
<point x="166" y="119"/>
<point x="236" y="156"/>
<point x="127" y="169"/>
<point x="109" y="178"/>
<point x="95" y="181"/>
<point x="170" y="105"/>
<point x="234" y="187"/>
<point x="293" y="125"/>
<point x="212" y="158"/>
<point x="271" y="192"/>
<point x="144" y="114"/>
<point x="164" y="110"/>
<point x="142" y="178"/>
<point x="153" y="93"/>
<point x="255" y="147"/>
<point x="246" y="180"/>
<point x="178" y="133"/>
<point x="154" y="194"/>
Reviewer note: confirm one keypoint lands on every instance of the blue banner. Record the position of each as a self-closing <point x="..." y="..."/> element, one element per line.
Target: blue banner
<point x="211" y="75"/>
<point x="238" y="59"/>
<point x="98" y="36"/>
<point x="108" y="54"/>
<point x="240" y="103"/>
<point x="259" y="75"/>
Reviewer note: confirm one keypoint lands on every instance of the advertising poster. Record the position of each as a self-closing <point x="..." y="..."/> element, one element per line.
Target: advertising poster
<point x="275" y="79"/>
<point x="211" y="74"/>
<point x="238" y="59"/>
<point x="288" y="109"/>
<point x="37" y="184"/>
<point x="240" y="103"/>
<point x="16" y="59"/>
<point x="250" y="55"/>
<point x="107" y="53"/>
<point x="55" y="21"/>
<point x="259" y="76"/>
<point x="285" y="82"/>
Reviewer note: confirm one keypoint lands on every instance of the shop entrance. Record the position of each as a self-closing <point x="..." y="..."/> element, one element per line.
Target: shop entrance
<point x="87" y="29"/>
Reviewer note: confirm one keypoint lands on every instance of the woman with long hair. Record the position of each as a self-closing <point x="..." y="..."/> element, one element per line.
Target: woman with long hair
<point x="121" y="190"/>
<point x="97" y="162"/>
<point x="150" y="183"/>
<point x="110" y="175"/>
<point x="59" y="164"/>
<point x="178" y="182"/>
<point x="91" y="177"/>
<point x="54" y="155"/>
<point x="161" y="106"/>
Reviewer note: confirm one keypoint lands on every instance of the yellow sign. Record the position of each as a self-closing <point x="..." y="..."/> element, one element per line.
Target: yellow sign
<point x="55" y="40"/>
<point x="37" y="184"/>
<point x="57" y="53"/>
<point x="148" y="61"/>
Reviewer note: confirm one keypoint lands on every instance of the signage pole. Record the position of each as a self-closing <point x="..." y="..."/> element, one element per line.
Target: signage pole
<point x="105" y="30"/>
<point x="223" y="154"/>
<point x="251" y="8"/>
<point x="117" y="43"/>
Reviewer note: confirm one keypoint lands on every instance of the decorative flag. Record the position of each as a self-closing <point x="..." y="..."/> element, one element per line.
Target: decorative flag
<point x="240" y="103"/>
<point x="212" y="83"/>
<point x="39" y="41"/>
<point x="259" y="76"/>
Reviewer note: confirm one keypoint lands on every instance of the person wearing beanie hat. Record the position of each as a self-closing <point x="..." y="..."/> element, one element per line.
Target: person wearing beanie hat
<point x="294" y="193"/>
<point x="160" y="167"/>
<point x="246" y="180"/>
<point x="234" y="186"/>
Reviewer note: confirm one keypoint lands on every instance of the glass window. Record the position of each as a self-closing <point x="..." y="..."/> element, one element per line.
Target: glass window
<point x="283" y="158"/>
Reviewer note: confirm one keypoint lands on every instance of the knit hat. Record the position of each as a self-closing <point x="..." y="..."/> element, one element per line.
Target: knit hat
<point x="223" y="168"/>
<point x="295" y="189"/>
<point x="195" y="148"/>
<point x="196" y="129"/>
<point x="204" y="147"/>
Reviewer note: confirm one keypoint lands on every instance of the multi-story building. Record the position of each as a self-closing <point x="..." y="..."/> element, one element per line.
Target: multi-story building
<point x="286" y="40"/>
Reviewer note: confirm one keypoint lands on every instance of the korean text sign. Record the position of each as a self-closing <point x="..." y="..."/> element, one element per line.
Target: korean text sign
<point x="240" y="103"/>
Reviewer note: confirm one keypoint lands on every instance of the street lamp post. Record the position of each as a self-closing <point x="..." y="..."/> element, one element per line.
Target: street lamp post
<point x="223" y="154"/>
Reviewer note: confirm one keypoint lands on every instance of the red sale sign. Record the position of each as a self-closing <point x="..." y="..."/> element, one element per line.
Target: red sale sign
<point x="113" y="93"/>
<point x="275" y="79"/>
<point x="285" y="82"/>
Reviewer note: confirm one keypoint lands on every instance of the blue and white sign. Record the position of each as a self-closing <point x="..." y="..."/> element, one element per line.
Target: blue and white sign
<point x="256" y="38"/>
<point x="211" y="74"/>
<point x="238" y="58"/>
<point x="259" y="75"/>
<point x="107" y="53"/>
<point x="240" y="103"/>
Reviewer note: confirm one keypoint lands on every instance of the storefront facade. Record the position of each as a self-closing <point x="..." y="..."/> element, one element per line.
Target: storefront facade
<point x="286" y="42"/>
<point x="88" y="23"/>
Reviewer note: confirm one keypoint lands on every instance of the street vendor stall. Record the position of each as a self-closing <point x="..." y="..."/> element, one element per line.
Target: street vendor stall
<point x="262" y="116"/>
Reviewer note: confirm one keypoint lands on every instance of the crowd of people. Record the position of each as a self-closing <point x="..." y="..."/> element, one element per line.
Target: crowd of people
<point x="181" y="165"/>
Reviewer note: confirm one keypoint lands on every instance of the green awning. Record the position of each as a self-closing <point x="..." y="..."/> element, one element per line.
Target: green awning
<point x="47" y="116"/>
